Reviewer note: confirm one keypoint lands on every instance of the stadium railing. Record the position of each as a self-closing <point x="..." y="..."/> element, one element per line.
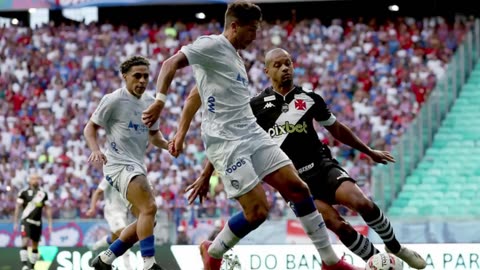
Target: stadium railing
<point x="387" y="181"/>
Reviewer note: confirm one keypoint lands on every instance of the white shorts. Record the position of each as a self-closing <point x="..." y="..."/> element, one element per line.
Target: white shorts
<point x="243" y="164"/>
<point x="116" y="217"/>
<point x="119" y="176"/>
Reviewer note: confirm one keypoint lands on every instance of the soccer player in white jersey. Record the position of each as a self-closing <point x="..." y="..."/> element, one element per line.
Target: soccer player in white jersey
<point x="237" y="146"/>
<point x="115" y="211"/>
<point x="119" y="113"/>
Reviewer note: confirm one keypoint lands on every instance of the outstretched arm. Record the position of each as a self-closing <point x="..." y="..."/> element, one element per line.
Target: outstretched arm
<point x="165" y="77"/>
<point x="93" y="204"/>
<point x="346" y="136"/>
<point x="192" y="104"/>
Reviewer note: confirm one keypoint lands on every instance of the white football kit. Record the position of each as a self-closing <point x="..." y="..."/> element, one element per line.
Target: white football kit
<point x="120" y="114"/>
<point x="239" y="149"/>
<point x="115" y="209"/>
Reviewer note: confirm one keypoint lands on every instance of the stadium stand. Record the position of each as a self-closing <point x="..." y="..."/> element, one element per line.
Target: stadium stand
<point x="447" y="180"/>
<point x="375" y="76"/>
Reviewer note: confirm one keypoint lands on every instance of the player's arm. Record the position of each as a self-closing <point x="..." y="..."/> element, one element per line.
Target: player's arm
<point x="18" y="207"/>
<point x="156" y="138"/>
<point x="199" y="188"/>
<point x="49" y="212"/>
<point x="192" y="104"/>
<point x="346" y="136"/>
<point x="90" y="133"/>
<point x="93" y="204"/>
<point x="168" y="70"/>
<point x="165" y="77"/>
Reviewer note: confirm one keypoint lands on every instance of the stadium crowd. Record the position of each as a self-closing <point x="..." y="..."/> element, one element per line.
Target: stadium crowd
<point x="375" y="76"/>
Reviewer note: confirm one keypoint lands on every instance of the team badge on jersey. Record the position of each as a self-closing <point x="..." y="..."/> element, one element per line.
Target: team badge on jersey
<point x="300" y="104"/>
<point x="235" y="184"/>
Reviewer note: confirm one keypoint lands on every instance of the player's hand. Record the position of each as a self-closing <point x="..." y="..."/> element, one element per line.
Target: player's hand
<point x="90" y="213"/>
<point x="199" y="188"/>
<point x="175" y="146"/>
<point x="383" y="157"/>
<point x="152" y="113"/>
<point x="97" y="156"/>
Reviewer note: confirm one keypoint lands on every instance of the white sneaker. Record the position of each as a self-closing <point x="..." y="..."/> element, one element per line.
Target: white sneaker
<point x="412" y="258"/>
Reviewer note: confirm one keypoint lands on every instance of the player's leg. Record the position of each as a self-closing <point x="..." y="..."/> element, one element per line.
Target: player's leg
<point x="35" y="235"/>
<point x="350" y="195"/>
<point x="24" y="231"/>
<point x="353" y="240"/>
<point x="140" y="195"/>
<point x="276" y="169"/>
<point x="293" y="189"/>
<point x="255" y="211"/>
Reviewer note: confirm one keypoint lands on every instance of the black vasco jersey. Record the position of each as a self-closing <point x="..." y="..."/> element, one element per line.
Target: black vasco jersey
<point x="289" y="122"/>
<point x="33" y="201"/>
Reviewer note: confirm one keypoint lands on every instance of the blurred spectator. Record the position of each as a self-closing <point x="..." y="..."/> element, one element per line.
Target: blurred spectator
<point x="375" y="76"/>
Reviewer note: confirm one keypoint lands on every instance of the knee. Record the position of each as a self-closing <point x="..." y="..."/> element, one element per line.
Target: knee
<point x="149" y="209"/>
<point x="298" y="191"/>
<point x="258" y="214"/>
<point x="362" y="205"/>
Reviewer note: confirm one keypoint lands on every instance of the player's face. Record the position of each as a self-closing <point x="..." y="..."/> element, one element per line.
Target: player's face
<point x="280" y="69"/>
<point x="137" y="79"/>
<point x="35" y="181"/>
<point x="246" y="34"/>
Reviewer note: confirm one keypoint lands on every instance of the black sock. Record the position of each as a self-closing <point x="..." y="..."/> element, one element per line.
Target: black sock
<point x="381" y="225"/>
<point x="358" y="244"/>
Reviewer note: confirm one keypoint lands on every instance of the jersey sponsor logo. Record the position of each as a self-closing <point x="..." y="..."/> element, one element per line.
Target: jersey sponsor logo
<point x="269" y="98"/>
<point x="287" y="128"/>
<point x="211" y="104"/>
<point x="241" y="79"/>
<point x="233" y="167"/>
<point x="306" y="168"/>
<point x="300" y="104"/>
<point x="269" y="105"/>
<point x="138" y="128"/>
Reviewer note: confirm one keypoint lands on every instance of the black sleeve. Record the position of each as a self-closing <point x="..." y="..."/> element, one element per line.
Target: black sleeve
<point x="321" y="112"/>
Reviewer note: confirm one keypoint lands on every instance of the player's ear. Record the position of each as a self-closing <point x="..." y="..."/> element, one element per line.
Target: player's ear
<point x="266" y="70"/>
<point x="234" y="25"/>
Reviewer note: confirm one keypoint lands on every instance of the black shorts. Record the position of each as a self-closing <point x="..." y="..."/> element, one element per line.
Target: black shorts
<point x="324" y="180"/>
<point x="31" y="231"/>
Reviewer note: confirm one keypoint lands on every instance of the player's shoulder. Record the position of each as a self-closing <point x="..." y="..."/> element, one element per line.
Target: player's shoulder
<point x="209" y="40"/>
<point x="307" y="93"/>
<point x="22" y="191"/>
<point x="113" y="96"/>
<point x="264" y="94"/>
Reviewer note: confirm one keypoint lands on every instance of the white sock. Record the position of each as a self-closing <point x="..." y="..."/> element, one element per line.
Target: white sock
<point x="34" y="258"/>
<point x="107" y="256"/>
<point x="148" y="262"/>
<point x="224" y="241"/>
<point x="315" y="228"/>
<point x="126" y="260"/>
<point x="102" y="243"/>
<point x="23" y="255"/>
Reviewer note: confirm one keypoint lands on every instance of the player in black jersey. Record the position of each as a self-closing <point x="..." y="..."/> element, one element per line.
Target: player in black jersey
<point x="287" y="113"/>
<point x="32" y="199"/>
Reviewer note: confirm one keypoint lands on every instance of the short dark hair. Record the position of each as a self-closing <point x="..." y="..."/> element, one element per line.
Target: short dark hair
<point x="133" y="61"/>
<point x="243" y="12"/>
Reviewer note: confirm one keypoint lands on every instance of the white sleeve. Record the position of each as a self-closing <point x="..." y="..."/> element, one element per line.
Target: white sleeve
<point x="103" y="184"/>
<point x="202" y="52"/>
<point x="103" y="112"/>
